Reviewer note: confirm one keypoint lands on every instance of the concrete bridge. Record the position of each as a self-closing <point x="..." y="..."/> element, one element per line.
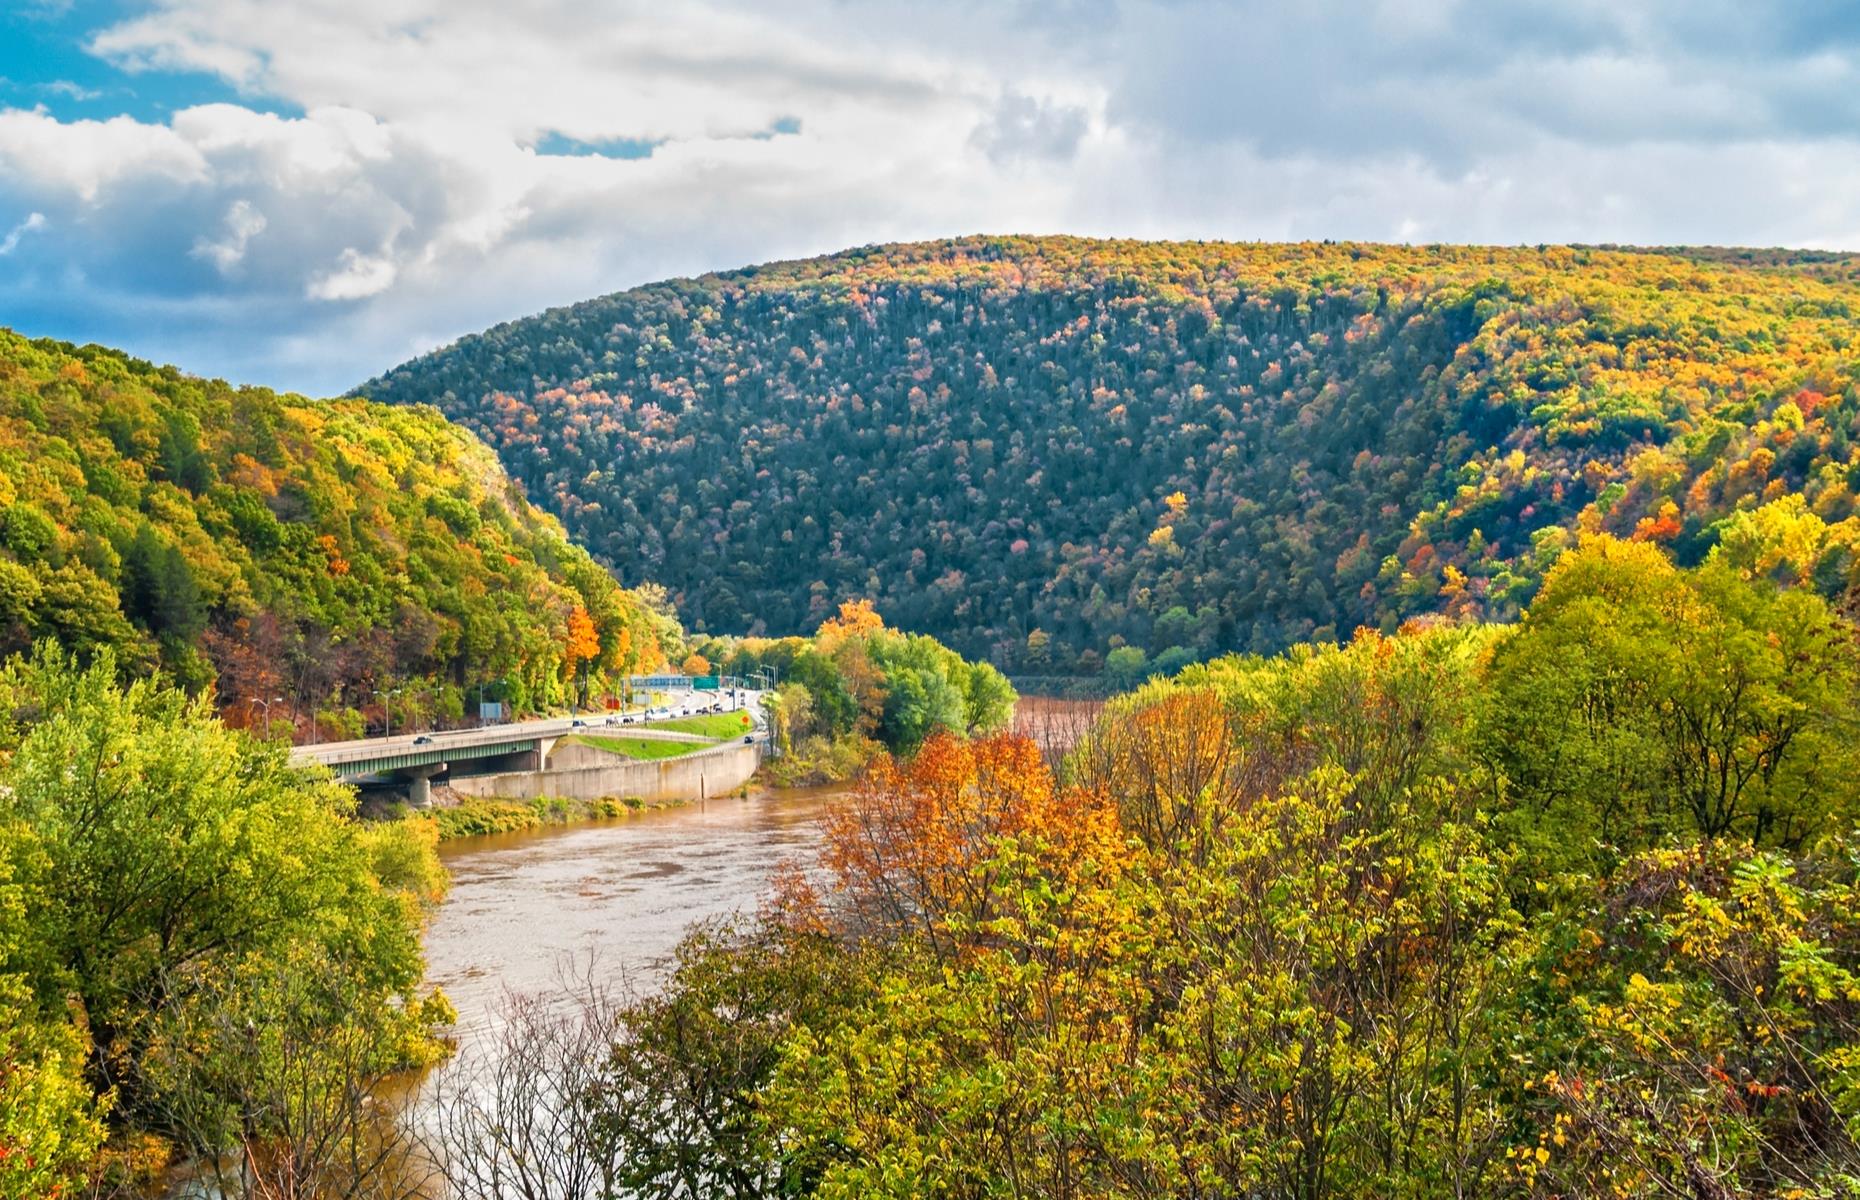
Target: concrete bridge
<point x="585" y="773"/>
<point x="509" y="753"/>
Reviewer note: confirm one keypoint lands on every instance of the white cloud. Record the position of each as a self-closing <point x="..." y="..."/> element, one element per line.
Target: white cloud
<point x="359" y="276"/>
<point x="243" y="223"/>
<point x="404" y="205"/>
<point x="32" y="224"/>
<point x="79" y="159"/>
<point x="64" y="87"/>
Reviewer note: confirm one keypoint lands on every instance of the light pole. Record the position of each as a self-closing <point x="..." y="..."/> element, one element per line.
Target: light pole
<point x="266" y="705"/>
<point x="387" y="707"/>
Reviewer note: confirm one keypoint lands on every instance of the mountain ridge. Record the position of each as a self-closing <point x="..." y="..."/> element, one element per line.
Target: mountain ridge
<point x="1171" y="448"/>
<point x="322" y="552"/>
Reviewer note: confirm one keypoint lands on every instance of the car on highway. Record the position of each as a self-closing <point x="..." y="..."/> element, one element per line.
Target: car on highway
<point x="577" y="723"/>
<point x="749" y="739"/>
<point x="424" y="739"/>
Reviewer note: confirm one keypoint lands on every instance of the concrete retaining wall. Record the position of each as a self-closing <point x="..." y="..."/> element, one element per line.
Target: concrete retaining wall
<point x="693" y="777"/>
<point x="573" y="756"/>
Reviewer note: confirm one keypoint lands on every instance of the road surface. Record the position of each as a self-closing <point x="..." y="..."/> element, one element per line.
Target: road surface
<point x="359" y="749"/>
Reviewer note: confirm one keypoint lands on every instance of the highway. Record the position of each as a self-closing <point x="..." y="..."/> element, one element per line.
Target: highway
<point x="415" y="742"/>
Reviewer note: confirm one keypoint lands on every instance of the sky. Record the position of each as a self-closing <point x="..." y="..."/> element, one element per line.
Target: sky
<point x="303" y="193"/>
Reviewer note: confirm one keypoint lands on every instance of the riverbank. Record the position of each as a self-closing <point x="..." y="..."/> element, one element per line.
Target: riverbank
<point x="474" y="816"/>
<point x="819" y="762"/>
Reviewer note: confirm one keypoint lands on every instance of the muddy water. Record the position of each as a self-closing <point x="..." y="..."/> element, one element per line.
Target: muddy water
<point x="525" y="906"/>
<point x="1055" y="723"/>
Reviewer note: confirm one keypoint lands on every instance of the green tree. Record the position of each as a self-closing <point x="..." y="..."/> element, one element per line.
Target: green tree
<point x="908" y="714"/>
<point x="680" y="1094"/>
<point x="1637" y="702"/>
<point x="1709" y="1040"/>
<point x="50" y="1121"/>
<point x="159" y="589"/>
<point x="1126" y="666"/>
<point x="990" y="702"/>
<point x="166" y="852"/>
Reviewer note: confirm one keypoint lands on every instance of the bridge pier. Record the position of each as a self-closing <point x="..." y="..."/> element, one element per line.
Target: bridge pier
<point x="420" y="783"/>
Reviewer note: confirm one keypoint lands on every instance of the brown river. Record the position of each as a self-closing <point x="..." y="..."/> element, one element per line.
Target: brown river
<point x="526" y="906"/>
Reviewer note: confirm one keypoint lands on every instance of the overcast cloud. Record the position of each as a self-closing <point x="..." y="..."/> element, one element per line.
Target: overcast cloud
<point x="340" y="184"/>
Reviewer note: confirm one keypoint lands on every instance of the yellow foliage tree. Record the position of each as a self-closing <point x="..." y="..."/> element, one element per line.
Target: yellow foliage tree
<point x="856" y="619"/>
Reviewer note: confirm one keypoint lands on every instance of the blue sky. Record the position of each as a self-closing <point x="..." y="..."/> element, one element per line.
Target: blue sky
<point x="304" y="192"/>
<point x="44" y="62"/>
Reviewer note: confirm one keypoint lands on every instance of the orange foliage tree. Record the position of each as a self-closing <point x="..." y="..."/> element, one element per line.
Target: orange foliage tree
<point x="911" y="846"/>
<point x="856" y="619"/>
<point x="581" y="644"/>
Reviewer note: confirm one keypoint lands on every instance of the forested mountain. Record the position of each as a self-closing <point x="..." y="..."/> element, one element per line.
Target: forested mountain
<point x="1062" y="452"/>
<point x="321" y="553"/>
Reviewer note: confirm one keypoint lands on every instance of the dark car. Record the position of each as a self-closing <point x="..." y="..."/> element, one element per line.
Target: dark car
<point x="423" y="740"/>
<point x="749" y="739"/>
<point x="577" y="723"/>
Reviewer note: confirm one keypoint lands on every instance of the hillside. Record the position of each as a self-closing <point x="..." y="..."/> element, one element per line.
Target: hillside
<point x="317" y="552"/>
<point x="1044" y="449"/>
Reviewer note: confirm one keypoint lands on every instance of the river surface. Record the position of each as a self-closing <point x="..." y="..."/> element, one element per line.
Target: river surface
<point x="525" y="907"/>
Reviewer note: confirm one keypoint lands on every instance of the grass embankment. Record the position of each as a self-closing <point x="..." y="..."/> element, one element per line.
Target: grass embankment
<point x="718" y="727"/>
<point x="639" y="747"/>
<point x="711" y="725"/>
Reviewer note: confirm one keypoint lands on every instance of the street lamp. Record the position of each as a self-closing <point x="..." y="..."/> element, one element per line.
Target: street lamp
<point x="387" y="707"/>
<point x="266" y="705"/>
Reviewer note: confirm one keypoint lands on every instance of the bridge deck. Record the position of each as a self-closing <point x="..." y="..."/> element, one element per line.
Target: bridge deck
<point x="371" y="756"/>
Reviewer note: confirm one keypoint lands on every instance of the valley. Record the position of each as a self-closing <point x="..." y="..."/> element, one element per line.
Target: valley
<point x="1445" y="599"/>
<point x="792" y="600"/>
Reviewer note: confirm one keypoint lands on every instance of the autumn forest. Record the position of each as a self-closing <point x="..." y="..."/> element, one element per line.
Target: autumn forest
<point x="1079" y="457"/>
<point x="1470" y="811"/>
